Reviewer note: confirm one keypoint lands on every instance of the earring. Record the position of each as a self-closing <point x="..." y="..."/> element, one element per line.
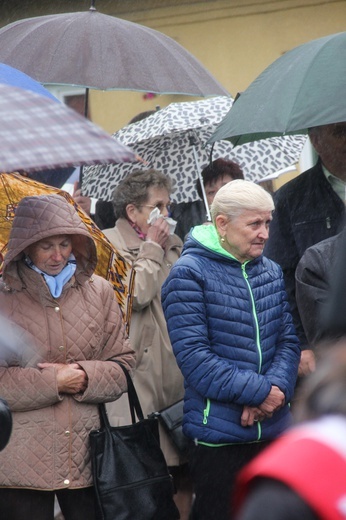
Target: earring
<point x="222" y="239"/>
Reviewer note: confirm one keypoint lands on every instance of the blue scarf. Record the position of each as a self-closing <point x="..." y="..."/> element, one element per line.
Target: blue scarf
<point x="56" y="283"/>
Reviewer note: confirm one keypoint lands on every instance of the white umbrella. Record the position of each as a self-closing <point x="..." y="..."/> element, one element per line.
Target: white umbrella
<point x="174" y="139"/>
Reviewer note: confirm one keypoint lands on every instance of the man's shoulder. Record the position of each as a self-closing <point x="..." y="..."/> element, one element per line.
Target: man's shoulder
<point x="328" y="247"/>
<point x="303" y="181"/>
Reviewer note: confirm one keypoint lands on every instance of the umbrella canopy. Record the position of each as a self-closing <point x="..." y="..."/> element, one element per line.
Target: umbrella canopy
<point x="303" y="88"/>
<point x="110" y="265"/>
<point x="38" y="133"/>
<point x="94" y="50"/>
<point x="15" y="78"/>
<point x="174" y="139"/>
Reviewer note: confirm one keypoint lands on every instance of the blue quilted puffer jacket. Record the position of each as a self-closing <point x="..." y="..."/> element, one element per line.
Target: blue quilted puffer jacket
<point x="233" y="338"/>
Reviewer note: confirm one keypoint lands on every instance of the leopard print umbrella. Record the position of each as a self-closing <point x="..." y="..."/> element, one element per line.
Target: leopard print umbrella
<point x="172" y="138"/>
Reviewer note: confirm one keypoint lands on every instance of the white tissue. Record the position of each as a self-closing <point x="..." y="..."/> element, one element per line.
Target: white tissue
<point x="155" y="214"/>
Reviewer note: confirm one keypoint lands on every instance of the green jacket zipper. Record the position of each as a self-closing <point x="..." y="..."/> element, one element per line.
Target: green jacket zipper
<point x="206" y="410"/>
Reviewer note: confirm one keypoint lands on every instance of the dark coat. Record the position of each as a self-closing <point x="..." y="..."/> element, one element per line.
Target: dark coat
<point x="307" y="210"/>
<point x="277" y="501"/>
<point x="5" y="423"/>
<point x="313" y="285"/>
<point x="188" y="215"/>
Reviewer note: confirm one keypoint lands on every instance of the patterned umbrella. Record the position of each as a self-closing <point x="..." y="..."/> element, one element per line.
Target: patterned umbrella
<point x="174" y="139"/>
<point x="111" y="265"/>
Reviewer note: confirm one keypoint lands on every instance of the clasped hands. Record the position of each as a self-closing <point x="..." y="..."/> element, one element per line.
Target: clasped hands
<point x="272" y="403"/>
<point x="71" y="378"/>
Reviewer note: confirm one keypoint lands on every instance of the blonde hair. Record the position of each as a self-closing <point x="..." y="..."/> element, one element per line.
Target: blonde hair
<point x="239" y="195"/>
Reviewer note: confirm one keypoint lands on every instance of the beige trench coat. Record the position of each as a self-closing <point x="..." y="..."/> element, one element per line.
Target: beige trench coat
<point x="157" y="377"/>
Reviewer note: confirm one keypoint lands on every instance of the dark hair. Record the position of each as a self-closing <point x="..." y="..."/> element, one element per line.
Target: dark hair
<point x="217" y="169"/>
<point x="141" y="116"/>
<point x="134" y="189"/>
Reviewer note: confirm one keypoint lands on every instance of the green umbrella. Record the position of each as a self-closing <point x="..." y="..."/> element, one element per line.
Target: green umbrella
<point x="303" y="88"/>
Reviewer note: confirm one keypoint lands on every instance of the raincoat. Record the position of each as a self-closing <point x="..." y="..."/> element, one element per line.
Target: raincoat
<point x="157" y="378"/>
<point x="49" y="445"/>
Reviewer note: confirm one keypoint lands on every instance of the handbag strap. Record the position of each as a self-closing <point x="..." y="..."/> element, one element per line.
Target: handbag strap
<point x="134" y="404"/>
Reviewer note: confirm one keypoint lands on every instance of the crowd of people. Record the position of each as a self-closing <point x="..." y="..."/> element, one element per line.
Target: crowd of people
<point x="229" y="314"/>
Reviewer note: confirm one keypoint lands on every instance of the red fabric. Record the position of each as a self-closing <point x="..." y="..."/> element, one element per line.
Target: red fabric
<point x="308" y="466"/>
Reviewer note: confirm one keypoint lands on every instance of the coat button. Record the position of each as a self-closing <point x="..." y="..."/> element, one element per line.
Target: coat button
<point x="67" y="432"/>
<point x="61" y="348"/>
<point x="57" y="309"/>
<point x="66" y="481"/>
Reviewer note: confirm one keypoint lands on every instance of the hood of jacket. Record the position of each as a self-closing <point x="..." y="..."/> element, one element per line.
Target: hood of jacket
<point x="205" y="239"/>
<point x="40" y="217"/>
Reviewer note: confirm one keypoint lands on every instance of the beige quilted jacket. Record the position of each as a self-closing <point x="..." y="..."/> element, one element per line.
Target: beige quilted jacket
<point x="49" y="447"/>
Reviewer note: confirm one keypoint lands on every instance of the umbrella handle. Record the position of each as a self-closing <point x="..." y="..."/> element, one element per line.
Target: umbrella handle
<point x="86" y="109"/>
<point x="202" y="185"/>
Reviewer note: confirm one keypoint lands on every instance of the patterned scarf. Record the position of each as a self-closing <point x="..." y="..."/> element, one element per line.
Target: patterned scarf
<point x="139" y="232"/>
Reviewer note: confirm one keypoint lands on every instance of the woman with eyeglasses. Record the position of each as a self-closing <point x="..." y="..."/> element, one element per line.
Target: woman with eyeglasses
<point x="152" y="250"/>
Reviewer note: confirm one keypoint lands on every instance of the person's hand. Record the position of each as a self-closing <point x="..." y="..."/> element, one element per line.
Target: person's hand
<point x="250" y="415"/>
<point x="71" y="378"/>
<point x="158" y="232"/>
<point x="84" y="202"/>
<point x="307" y="363"/>
<point x="273" y="402"/>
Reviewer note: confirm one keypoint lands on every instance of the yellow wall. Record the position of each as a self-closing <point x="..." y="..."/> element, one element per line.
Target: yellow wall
<point x="235" y="41"/>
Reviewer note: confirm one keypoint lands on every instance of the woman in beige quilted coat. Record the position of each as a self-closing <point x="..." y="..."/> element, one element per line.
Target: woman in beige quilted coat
<point x="152" y="250"/>
<point x="73" y="327"/>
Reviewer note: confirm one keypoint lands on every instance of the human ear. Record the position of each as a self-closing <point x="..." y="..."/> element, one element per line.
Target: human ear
<point x="131" y="212"/>
<point x="221" y="222"/>
<point x="315" y="141"/>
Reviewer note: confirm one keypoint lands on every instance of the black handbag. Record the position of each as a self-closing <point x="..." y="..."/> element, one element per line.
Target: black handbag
<point x="131" y="477"/>
<point x="171" y="419"/>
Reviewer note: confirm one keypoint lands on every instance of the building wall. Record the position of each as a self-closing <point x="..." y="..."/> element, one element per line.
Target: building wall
<point x="235" y="41"/>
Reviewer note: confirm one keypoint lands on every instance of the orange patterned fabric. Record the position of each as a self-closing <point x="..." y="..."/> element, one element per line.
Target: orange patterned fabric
<point x="111" y="265"/>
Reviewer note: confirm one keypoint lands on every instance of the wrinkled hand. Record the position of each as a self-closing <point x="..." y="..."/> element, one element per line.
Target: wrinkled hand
<point x="273" y="402"/>
<point x="84" y="202"/>
<point x="159" y="232"/>
<point x="250" y="415"/>
<point x="307" y="363"/>
<point x="71" y="378"/>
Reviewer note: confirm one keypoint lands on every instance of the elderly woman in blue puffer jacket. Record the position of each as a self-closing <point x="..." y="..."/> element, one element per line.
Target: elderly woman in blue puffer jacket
<point x="234" y="341"/>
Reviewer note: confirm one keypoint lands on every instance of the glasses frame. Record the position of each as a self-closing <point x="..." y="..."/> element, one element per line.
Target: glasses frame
<point x="158" y="206"/>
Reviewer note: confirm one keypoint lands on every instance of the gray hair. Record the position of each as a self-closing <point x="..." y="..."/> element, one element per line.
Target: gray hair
<point x="134" y="189"/>
<point x="239" y="195"/>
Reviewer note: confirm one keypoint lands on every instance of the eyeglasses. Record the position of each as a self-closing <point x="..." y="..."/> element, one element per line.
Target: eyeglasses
<point x="160" y="206"/>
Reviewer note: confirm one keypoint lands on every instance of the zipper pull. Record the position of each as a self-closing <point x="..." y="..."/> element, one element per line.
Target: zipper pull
<point x="328" y="224"/>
